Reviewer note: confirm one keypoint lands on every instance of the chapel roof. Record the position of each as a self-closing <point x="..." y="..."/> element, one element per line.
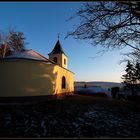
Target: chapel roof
<point x="28" y="54"/>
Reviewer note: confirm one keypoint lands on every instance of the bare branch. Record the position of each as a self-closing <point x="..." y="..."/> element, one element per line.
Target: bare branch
<point x="109" y="24"/>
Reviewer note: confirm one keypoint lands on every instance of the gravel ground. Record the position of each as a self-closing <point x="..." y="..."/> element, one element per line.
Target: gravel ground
<point x="77" y="116"/>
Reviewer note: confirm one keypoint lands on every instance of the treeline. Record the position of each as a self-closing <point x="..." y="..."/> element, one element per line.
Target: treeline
<point x="132" y="79"/>
<point x="132" y="75"/>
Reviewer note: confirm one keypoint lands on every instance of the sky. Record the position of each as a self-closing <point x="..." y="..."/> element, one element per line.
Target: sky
<point x="41" y="22"/>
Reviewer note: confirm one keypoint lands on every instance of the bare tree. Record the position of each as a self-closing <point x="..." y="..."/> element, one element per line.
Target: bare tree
<point x="4" y="48"/>
<point x="133" y="56"/>
<point x="16" y="41"/>
<point x="11" y="42"/>
<point x="110" y="24"/>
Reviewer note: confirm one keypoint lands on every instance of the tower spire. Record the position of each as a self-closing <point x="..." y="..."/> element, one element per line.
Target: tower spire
<point x="58" y="56"/>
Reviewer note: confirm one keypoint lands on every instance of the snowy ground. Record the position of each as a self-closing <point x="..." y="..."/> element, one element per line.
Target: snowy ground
<point x="77" y="116"/>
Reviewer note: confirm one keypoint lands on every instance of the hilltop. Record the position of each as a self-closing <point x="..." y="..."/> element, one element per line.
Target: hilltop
<point x="102" y="84"/>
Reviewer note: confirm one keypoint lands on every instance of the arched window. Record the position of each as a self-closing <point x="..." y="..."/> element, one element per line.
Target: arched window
<point x="63" y="82"/>
<point x="64" y="61"/>
<point x="55" y="59"/>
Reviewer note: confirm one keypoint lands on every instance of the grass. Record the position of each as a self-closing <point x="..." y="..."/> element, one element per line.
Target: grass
<point x="73" y="116"/>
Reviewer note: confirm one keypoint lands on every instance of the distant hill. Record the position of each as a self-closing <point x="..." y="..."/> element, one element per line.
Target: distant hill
<point x="104" y="85"/>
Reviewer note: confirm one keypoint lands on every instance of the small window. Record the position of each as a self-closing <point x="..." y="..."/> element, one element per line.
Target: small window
<point x="55" y="59"/>
<point x="65" y="61"/>
<point x="63" y="82"/>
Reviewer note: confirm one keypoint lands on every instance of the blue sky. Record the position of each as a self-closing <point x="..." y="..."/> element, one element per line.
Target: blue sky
<point x="42" y="21"/>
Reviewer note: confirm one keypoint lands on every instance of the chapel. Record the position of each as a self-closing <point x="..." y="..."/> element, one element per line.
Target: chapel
<point x="29" y="73"/>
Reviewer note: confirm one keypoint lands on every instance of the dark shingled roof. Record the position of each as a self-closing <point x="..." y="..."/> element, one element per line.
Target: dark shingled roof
<point x="57" y="49"/>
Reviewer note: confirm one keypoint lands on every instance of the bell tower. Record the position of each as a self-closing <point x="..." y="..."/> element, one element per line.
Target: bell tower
<point x="58" y="56"/>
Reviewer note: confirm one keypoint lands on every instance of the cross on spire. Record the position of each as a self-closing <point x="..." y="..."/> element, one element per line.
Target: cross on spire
<point x="58" y="35"/>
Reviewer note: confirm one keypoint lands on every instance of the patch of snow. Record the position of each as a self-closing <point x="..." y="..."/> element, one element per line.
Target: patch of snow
<point x="81" y="120"/>
<point x="43" y="127"/>
<point x="92" y="89"/>
<point x="108" y="93"/>
<point x="96" y="89"/>
<point x="30" y="54"/>
<point x="90" y="114"/>
<point x="115" y="121"/>
<point x="33" y="123"/>
<point x="7" y="117"/>
<point x="75" y="124"/>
